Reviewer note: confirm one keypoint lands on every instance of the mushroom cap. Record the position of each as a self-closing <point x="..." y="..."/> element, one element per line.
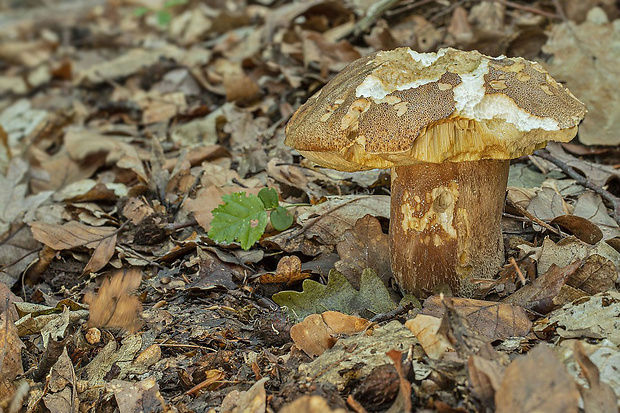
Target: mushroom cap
<point x="400" y="107"/>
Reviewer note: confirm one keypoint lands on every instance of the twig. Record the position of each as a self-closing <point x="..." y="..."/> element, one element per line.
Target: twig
<point x="585" y="182"/>
<point x="518" y="270"/>
<point x="532" y="218"/>
<point x="391" y="314"/>
<point x="530" y="9"/>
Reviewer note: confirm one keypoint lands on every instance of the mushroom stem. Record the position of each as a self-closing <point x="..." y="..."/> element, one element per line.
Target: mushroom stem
<point x="445" y="224"/>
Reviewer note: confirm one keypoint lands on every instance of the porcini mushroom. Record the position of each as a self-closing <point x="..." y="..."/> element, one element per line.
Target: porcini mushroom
<point x="447" y="124"/>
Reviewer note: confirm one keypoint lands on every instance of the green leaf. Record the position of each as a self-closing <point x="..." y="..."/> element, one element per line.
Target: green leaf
<point x="241" y="218"/>
<point x="140" y="11"/>
<point x="163" y="17"/>
<point x="338" y="295"/>
<point x="269" y="196"/>
<point x="281" y="218"/>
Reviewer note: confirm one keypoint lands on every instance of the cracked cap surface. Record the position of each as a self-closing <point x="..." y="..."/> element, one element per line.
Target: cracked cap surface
<point x="400" y="107"/>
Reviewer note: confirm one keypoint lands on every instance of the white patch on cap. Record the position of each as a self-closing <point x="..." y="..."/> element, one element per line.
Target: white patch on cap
<point x="373" y="88"/>
<point x="426" y="59"/>
<point x="471" y="102"/>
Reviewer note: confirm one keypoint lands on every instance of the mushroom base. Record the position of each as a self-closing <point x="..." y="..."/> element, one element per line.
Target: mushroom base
<point x="445" y="225"/>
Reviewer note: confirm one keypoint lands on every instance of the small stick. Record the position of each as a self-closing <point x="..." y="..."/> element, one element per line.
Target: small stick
<point x="530" y="9"/>
<point x="585" y="182"/>
<point x="518" y="270"/>
<point x="391" y="314"/>
<point x="532" y="218"/>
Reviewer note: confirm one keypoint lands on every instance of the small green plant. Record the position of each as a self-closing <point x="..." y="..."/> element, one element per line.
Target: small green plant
<point x="163" y="16"/>
<point x="243" y="217"/>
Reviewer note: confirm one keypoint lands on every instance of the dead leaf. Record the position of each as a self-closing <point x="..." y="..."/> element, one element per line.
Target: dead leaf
<point x="364" y="246"/>
<point x="101" y="256"/>
<point x="62" y="386"/>
<point x="252" y="401"/>
<point x="426" y="329"/>
<point x="324" y="225"/>
<point x="592" y="317"/>
<point x="7" y="298"/>
<point x="402" y="404"/>
<point x="288" y="271"/>
<point x="584" y="57"/>
<point x="494" y="321"/>
<point x="312" y="335"/>
<point x="318" y="332"/>
<point x="485" y="378"/>
<point x="596" y="275"/>
<point x="358" y="355"/>
<point x="112" y="306"/>
<point x="309" y="404"/>
<point x="10" y="355"/>
<point x="539" y="296"/>
<point x="537" y="382"/>
<point x="133" y="397"/>
<point x="70" y="235"/>
<point x="579" y="227"/>
<point x="14" y="201"/>
<point x="599" y="397"/>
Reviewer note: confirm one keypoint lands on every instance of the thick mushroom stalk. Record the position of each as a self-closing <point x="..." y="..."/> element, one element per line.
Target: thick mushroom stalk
<point x="445" y="225"/>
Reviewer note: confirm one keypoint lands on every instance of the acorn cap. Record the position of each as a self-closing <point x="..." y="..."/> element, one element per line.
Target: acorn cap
<point x="400" y="107"/>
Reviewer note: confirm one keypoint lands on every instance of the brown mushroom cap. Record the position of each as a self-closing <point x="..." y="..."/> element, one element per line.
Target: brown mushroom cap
<point x="400" y="107"/>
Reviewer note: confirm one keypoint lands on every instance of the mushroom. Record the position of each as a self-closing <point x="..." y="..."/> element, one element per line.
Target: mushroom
<point x="447" y="124"/>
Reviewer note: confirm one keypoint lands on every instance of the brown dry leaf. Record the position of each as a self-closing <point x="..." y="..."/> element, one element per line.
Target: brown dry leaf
<point x="137" y="397"/>
<point x="297" y="177"/>
<point x="324" y="225"/>
<point x="62" y="396"/>
<point x="14" y="201"/>
<point x="158" y="107"/>
<point x="426" y="329"/>
<point x="590" y="206"/>
<point x="253" y="400"/>
<point x="136" y="209"/>
<point x="317" y="332"/>
<point x="29" y="54"/>
<point x="102" y="255"/>
<point x="10" y="356"/>
<point x="485" y="378"/>
<point x="16" y="254"/>
<point x="312" y="335"/>
<point x="494" y="321"/>
<point x="310" y="404"/>
<point x="364" y="246"/>
<point x="579" y="227"/>
<point x="539" y="296"/>
<point x="596" y="275"/>
<point x="288" y="271"/>
<point x="585" y="56"/>
<point x="89" y="190"/>
<point x="112" y="306"/>
<point x="598" y="397"/>
<point x="7" y="298"/>
<point x="537" y="382"/>
<point x="70" y="235"/>
<point x="402" y="404"/>
<point x="85" y="144"/>
<point x="61" y="169"/>
<point x="548" y="203"/>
